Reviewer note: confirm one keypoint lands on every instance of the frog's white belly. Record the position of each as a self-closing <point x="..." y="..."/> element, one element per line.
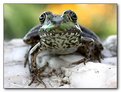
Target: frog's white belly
<point x="61" y="43"/>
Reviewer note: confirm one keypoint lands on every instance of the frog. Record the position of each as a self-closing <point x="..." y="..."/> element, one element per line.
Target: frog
<point x="60" y="35"/>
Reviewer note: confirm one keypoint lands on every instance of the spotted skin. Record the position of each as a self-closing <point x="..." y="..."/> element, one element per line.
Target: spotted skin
<point x="61" y="42"/>
<point x="60" y="34"/>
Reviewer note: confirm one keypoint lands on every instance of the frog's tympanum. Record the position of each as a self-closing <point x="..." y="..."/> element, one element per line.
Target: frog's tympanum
<point x="60" y="34"/>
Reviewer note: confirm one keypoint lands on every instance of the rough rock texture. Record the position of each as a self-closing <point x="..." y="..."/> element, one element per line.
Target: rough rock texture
<point x="91" y="75"/>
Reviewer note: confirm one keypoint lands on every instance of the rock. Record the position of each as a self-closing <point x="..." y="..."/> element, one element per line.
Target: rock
<point x="91" y="75"/>
<point x="110" y="45"/>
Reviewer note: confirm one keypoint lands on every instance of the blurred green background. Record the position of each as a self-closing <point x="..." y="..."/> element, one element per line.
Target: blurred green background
<point x="20" y="18"/>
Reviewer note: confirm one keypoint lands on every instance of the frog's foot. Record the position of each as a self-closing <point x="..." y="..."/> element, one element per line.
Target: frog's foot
<point x="36" y="77"/>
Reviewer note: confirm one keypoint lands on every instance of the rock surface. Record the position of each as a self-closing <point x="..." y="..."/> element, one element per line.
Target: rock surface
<point x="111" y="46"/>
<point x="91" y="75"/>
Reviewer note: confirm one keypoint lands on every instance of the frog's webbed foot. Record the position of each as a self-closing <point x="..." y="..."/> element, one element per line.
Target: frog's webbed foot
<point x="36" y="76"/>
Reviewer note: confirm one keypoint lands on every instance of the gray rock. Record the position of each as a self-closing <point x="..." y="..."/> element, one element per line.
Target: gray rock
<point x="111" y="46"/>
<point x="91" y="75"/>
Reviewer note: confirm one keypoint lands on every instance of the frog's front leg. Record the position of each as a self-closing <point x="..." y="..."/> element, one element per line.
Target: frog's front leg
<point x="32" y="55"/>
<point x="90" y="48"/>
<point x="35" y="72"/>
<point x="84" y="48"/>
<point x="95" y="51"/>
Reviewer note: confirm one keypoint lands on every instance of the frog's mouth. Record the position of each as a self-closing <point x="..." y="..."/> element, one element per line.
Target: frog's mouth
<point x="61" y="30"/>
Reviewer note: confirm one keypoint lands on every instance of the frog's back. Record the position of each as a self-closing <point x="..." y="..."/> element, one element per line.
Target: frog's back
<point x="88" y="33"/>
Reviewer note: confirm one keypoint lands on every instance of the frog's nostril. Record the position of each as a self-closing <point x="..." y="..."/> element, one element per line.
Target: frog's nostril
<point x="56" y="22"/>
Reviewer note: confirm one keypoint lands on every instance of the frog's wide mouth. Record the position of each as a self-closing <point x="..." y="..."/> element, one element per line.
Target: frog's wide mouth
<point x="67" y="27"/>
<point x="55" y="31"/>
<point x="61" y="29"/>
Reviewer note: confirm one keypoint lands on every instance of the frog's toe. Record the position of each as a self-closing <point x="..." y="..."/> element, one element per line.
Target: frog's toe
<point x="36" y="77"/>
<point x="32" y="81"/>
<point x="40" y="81"/>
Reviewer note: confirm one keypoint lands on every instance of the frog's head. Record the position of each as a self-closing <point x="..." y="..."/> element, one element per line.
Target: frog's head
<point x="67" y="22"/>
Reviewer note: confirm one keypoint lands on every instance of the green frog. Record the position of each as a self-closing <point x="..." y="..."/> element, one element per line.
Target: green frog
<point x="60" y="35"/>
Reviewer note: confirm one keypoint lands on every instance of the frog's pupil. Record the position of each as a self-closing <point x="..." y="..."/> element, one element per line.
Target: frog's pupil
<point x="71" y="15"/>
<point x="74" y="16"/>
<point x="41" y="18"/>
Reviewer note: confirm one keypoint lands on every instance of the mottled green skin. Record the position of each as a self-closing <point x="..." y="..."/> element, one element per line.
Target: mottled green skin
<point x="61" y="34"/>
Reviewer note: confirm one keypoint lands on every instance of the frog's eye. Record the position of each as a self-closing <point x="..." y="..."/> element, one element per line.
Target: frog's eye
<point x="43" y="16"/>
<point x="71" y="15"/>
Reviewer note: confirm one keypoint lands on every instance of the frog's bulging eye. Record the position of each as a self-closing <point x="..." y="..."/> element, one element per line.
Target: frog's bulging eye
<point x="43" y="16"/>
<point x="72" y="15"/>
